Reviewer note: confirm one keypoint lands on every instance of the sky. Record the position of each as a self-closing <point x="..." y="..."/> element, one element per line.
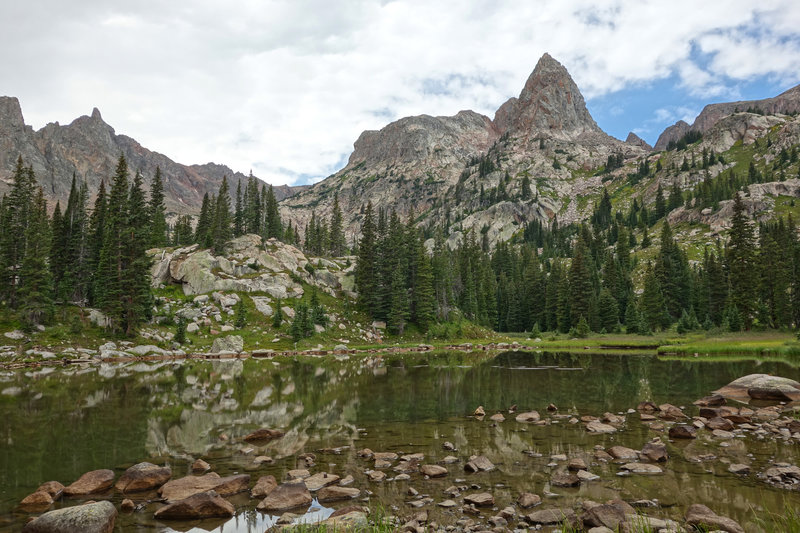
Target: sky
<point x="283" y="88"/>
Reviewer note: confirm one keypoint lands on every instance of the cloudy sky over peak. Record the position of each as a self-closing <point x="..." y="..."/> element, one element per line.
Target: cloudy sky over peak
<point x="285" y="87"/>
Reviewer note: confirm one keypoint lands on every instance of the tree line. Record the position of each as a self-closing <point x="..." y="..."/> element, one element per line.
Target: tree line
<point x="580" y="278"/>
<point x="90" y="257"/>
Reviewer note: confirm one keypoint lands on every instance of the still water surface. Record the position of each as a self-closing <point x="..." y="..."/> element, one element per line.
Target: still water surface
<point x="57" y="423"/>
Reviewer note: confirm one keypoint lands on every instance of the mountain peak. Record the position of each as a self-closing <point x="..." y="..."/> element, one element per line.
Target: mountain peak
<point x="11" y="113"/>
<point x="96" y="114"/>
<point x="550" y="104"/>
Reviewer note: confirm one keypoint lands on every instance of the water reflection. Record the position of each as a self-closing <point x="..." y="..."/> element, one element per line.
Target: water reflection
<point x="60" y="423"/>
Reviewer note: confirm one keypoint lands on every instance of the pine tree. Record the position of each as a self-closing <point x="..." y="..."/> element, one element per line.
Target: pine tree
<point x="18" y="207"/>
<point x="654" y="311"/>
<point x="424" y="300"/>
<point x="58" y="250"/>
<point x="77" y="275"/>
<point x="580" y="284"/>
<point x="277" y="316"/>
<point x="204" y="222"/>
<point x="608" y="310"/>
<point x="157" y="212"/>
<point x="97" y="226"/>
<point x="399" y="309"/>
<point x="741" y="263"/>
<point x="221" y="229"/>
<point x="238" y="213"/>
<point x="35" y="288"/>
<point x="338" y="243"/>
<point x="135" y="275"/>
<point x="108" y="283"/>
<point x="180" y="330"/>
<point x="240" y="319"/>
<point x="366" y="271"/>
<point x="274" y="226"/>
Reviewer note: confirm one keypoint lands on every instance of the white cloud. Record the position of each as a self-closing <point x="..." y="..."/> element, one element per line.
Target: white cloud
<point x="280" y="84"/>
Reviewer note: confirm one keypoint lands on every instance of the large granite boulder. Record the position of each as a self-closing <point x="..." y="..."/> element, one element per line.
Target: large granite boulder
<point x="89" y="518"/>
<point x="143" y="476"/>
<point x="761" y="386"/>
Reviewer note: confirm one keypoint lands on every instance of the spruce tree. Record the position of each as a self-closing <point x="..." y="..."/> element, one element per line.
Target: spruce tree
<point x="18" y="207"/>
<point x="274" y="226"/>
<point x="109" y="284"/>
<point x="36" y="286"/>
<point x="204" y="222"/>
<point x="741" y="262"/>
<point x="157" y="212"/>
<point x="221" y="229"/>
<point x="338" y="244"/>
<point x="366" y="271"/>
<point x="277" y="316"/>
<point x="238" y="213"/>
<point x="97" y="226"/>
<point x="77" y="275"/>
<point x="608" y="310"/>
<point x="135" y="276"/>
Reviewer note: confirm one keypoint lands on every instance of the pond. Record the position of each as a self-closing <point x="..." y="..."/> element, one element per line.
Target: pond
<point x="59" y="422"/>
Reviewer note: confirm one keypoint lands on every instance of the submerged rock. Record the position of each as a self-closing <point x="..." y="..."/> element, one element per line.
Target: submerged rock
<point x="204" y="505"/>
<point x="182" y="488"/>
<point x="38" y="501"/>
<point x="91" y="483"/>
<point x="335" y="493"/>
<point x="264" y="434"/>
<point x="264" y="486"/>
<point x="143" y="476"/>
<point x="286" y="496"/>
<point x="89" y="518"/>
<point x="704" y="518"/>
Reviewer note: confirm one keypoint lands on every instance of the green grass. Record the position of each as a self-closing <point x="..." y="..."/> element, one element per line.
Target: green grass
<point x="752" y="343"/>
<point x="786" y="522"/>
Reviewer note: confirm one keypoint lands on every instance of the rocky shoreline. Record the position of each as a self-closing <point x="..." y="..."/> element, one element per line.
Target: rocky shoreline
<point x="453" y="493"/>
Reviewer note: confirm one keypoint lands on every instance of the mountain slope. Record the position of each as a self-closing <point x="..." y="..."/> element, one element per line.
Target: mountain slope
<point x="436" y="167"/>
<point x="90" y="148"/>
<point x="785" y="103"/>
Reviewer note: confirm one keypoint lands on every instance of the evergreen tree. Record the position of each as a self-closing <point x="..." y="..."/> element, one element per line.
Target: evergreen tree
<point x="277" y="316"/>
<point x="338" y="244"/>
<point x="77" y="275"/>
<point x="108" y="283"/>
<point x="204" y="222"/>
<point x="240" y="319"/>
<point x="180" y="331"/>
<point x="424" y="302"/>
<point x="58" y="249"/>
<point x="654" y="311"/>
<point x="238" y="213"/>
<point x="97" y="226"/>
<point x="222" y="218"/>
<point x="13" y="241"/>
<point x="135" y="275"/>
<point x="580" y="284"/>
<point x="366" y="271"/>
<point x="274" y="226"/>
<point x="35" y="288"/>
<point x="608" y="310"/>
<point x="157" y="212"/>
<point x="741" y="262"/>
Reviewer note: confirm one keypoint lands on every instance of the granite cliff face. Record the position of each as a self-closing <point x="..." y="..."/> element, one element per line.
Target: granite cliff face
<point x="550" y="105"/>
<point x="90" y="148"/>
<point x="785" y="103"/>
<point x="436" y="167"/>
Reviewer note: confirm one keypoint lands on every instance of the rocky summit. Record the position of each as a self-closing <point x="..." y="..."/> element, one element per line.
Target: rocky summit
<point x="89" y="148"/>
<point x="435" y="167"/>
